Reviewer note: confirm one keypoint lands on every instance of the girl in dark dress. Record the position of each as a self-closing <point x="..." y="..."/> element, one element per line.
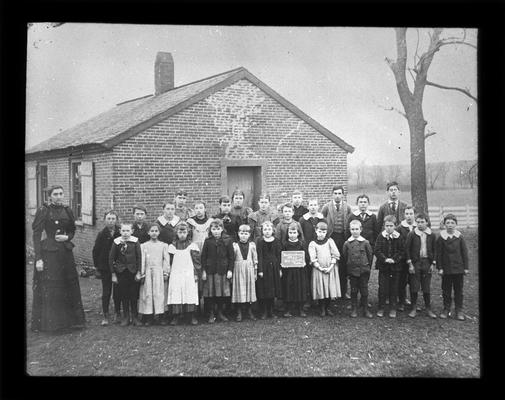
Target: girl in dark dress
<point x="268" y="285"/>
<point x="57" y="300"/>
<point x="294" y="280"/>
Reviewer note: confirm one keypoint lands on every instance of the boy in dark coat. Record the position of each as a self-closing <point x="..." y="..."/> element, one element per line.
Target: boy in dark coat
<point x="358" y="256"/>
<point x="231" y="222"/>
<point x="389" y="253"/>
<point x="140" y="226"/>
<point x="298" y="208"/>
<point x="404" y="228"/>
<point x="393" y="206"/>
<point x="124" y="262"/>
<point x="420" y="253"/>
<point x="452" y="264"/>
<point x="101" y="250"/>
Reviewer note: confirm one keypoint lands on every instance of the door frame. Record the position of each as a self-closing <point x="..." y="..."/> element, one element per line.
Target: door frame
<point x="255" y="162"/>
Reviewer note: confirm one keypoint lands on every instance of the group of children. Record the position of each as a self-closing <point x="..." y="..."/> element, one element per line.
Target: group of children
<point x="167" y="269"/>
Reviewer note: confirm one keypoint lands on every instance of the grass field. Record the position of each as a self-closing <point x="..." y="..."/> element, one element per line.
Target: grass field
<point x="436" y="198"/>
<point x="312" y="346"/>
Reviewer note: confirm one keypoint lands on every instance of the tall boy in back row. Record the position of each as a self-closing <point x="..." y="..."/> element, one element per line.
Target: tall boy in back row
<point x="337" y="213"/>
<point x="393" y="206"/>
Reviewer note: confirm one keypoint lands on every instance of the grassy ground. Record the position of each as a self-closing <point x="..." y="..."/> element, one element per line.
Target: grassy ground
<point x="436" y="198"/>
<point x="312" y="346"/>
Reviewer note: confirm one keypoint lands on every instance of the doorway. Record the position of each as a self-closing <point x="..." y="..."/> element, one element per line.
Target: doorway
<point x="247" y="179"/>
<point x="246" y="175"/>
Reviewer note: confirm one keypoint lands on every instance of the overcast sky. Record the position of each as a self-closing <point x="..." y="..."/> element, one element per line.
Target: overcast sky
<point x="337" y="76"/>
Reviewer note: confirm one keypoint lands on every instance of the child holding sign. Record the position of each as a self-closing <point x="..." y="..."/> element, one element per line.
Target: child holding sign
<point x="294" y="277"/>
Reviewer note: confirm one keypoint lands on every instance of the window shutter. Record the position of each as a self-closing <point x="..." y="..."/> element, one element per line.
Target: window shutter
<point x="32" y="189"/>
<point x="87" y="187"/>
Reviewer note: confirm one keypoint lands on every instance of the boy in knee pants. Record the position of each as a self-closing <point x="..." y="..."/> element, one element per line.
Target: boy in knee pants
<point x="358" y="257"/>
<point x="420" y="253"/>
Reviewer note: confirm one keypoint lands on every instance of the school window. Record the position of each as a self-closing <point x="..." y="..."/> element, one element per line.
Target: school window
<point x="76" y="200"/>
<point x="42" y="184"/>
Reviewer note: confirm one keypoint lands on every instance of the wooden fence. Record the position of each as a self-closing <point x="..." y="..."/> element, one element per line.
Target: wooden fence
<point x="468" y="216"/>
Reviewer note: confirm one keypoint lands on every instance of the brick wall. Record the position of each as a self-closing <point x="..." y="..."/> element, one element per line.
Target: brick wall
<point x="238" y="122"/>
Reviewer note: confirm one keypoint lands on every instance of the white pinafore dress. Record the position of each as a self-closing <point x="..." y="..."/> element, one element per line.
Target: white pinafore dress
<point x="182" y="288"/>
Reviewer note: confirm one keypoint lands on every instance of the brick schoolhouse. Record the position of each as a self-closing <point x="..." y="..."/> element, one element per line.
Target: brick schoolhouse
<point x="208" y="137"/>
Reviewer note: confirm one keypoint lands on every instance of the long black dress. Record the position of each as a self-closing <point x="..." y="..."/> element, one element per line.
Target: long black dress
<point x="57" y="300"/>
<point x="269" y="262"/>
<point x="294" y="280"/>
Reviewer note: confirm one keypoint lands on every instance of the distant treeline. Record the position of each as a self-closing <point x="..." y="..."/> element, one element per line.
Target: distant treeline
<point x="440" y="175"/>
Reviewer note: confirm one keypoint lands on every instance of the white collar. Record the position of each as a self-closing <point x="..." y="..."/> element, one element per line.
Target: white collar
<point x="359" y="238"/>
<point x="165" y="221"/>
<point x="308" y="215"/>
<point x="358" y="213"/>
<point x="418" y="232"/>
<point x="341" y="202"/>
<point x="393" y="201"/>
<point x="120" y="240"/>
<point x="395" y="234"/>
<point x="445" y="235"/>
<point x="404" y="224"/>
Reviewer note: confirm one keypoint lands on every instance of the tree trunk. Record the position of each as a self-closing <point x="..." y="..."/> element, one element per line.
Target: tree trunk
<point x="417" y="159"/>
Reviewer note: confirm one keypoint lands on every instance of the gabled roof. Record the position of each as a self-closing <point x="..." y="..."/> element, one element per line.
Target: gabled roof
<point x="131" y="117"/>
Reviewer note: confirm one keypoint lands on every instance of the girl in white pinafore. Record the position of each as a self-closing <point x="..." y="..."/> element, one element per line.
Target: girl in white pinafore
<point x="153" y="273"/>
<point x="184" y="271"/>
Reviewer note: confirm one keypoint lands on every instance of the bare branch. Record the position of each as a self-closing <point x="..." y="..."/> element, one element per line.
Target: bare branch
<point x="424" y="64"/>
<point x="428" y="134"/>
<point x="393" y="109"/>
<point x="464" y="91"/>
<point x="412" y="75"/>
<point x="445" y="42"/>
<point x="417" y="48"/>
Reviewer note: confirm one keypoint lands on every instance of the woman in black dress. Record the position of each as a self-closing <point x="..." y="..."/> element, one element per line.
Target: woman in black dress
<point x="57" y="300"/>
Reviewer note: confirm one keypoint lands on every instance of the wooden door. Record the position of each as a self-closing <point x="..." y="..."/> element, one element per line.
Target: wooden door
<point x="244" y="178"/>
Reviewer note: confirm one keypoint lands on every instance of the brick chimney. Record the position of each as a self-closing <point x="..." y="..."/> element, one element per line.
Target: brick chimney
<point x="163" y="73"/>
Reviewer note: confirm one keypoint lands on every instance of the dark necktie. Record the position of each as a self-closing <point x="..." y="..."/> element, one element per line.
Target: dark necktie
<point x="363" y="216"/>
<point x="393" y="207"/>
<point x="338" y="206"/>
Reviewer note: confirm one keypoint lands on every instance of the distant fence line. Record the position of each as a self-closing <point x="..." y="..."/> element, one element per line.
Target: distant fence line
<point x="468" y="216"/>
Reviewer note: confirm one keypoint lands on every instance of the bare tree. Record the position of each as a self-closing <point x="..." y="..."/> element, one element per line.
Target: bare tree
<point x="436" y="172"/>
<point x="377" y="173"/>
<point x="472" y="174"/>
<point x="360" y="175"/>
<point x="412" y="101"/>
<point x="394" y="172"/>
<point x="460" y="173"/>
